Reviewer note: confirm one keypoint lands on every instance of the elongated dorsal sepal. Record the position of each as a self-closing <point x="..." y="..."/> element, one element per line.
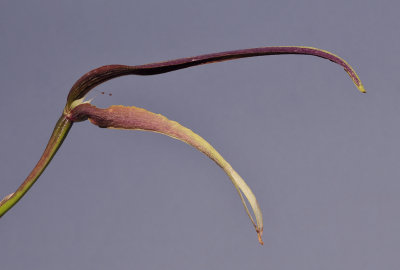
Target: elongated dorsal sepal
<point x="102" y="74"/>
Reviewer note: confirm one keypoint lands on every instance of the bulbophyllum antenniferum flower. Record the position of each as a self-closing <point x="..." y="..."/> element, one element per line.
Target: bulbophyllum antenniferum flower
<point x="121" y="117"/>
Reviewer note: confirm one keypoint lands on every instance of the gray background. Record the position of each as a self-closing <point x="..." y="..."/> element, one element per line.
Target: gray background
<point x="321" y="157"/>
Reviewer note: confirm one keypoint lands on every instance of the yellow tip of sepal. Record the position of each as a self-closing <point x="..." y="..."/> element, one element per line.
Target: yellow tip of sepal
<point x="361" y="88"/>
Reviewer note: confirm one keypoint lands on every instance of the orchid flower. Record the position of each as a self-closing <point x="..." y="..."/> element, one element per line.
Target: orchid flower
<point x="121" y="117"/>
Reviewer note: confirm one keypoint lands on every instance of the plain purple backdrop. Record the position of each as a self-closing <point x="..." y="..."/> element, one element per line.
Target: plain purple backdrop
<point x="321" y="157"/>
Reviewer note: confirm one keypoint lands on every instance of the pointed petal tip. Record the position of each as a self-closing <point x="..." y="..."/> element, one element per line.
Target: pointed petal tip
<point x="260" y="239"/>
<point x="362" y="89"/>
<point x="259" y="235"/>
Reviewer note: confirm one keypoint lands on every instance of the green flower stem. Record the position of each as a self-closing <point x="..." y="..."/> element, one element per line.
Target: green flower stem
<point x="60" y="132"/>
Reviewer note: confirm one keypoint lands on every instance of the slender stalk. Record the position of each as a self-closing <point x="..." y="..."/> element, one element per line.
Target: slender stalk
<point x="59" y="133"/>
